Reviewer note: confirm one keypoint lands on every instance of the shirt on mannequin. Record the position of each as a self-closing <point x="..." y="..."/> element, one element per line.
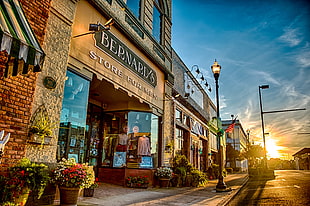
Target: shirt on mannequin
<point x="144" y="146"/>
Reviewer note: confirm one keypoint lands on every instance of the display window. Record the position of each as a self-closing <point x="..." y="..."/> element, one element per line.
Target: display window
<point x="72" y="140"/>
<point x="130" y="140"/>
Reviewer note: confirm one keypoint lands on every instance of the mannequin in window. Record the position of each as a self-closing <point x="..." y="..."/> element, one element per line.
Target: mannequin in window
<point x="122" y="140"/>
<point x="133" y="137"/>
<point x="144" y="148"/>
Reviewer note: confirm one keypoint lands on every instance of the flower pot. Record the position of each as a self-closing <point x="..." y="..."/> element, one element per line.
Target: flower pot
<point x="23" y="197"/>
<point x="69" y="196"/>
<point x="88" y="192"/>
<point x="164" y="182"/>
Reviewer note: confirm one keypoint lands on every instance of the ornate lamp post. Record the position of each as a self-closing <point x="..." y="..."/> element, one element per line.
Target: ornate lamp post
<point x="221" y="186"/>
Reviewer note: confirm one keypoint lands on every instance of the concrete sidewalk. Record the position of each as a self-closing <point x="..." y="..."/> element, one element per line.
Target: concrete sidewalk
<point x="113" y="195"/>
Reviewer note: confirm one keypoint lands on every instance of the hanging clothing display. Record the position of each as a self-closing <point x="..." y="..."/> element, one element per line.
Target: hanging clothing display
<point x="144" y="146"/>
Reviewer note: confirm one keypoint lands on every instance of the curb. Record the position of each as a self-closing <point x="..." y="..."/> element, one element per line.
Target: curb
<point x="234" y="193"/>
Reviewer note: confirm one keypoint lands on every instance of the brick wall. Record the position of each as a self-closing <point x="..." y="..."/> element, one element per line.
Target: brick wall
<point x="16" y="93"/>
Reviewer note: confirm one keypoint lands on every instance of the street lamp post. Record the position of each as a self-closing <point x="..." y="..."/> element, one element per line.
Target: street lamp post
<point x="221" y="186"/>
<point x="262" y="118"/>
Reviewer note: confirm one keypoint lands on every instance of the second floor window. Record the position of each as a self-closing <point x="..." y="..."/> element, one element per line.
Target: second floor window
<point x="178" y="115"/>
<point x="134" y="6"/>
<point x="156" y="21"/>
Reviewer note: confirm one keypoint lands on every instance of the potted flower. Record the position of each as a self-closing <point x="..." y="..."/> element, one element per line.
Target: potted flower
<point x="41" y="129"/>
<point x="163" y="174"/>
<point x="23" y="178"/>
<point x="137" y="181"/>
<point x="71" y="177"/>
<point x="89" y="192"/>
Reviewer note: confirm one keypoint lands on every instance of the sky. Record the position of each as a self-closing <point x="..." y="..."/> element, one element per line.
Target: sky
<point x="256" y="43"/>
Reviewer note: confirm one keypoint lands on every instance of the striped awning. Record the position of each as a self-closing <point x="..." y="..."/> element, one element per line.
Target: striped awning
<point x="18" y="40"/>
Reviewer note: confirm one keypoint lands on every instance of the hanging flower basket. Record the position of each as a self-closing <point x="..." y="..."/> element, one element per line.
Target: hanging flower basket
<point x="37" y="139"/>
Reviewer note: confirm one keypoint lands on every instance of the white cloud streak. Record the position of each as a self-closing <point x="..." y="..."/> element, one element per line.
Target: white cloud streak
<point x="291" y="37"/>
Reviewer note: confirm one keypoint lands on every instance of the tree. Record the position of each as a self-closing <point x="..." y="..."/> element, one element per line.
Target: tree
<point x="254" y="153"/>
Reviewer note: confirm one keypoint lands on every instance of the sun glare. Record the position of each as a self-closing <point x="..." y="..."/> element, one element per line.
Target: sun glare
<point x="272" y="149"/>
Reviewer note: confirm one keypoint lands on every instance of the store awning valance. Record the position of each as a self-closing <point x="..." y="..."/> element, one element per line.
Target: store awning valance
<point x="18" y="40"/>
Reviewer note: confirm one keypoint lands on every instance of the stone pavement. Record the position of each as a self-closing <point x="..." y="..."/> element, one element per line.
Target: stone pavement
<point x="113" y="195"/>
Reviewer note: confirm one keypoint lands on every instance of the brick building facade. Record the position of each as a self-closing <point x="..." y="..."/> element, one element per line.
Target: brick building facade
<point x="17" y="92"/>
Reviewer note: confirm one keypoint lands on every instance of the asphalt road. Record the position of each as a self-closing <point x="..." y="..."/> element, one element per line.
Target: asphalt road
<point x="290" y="187"/>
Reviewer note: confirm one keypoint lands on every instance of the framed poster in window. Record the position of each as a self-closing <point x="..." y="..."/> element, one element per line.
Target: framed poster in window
<point x="72" y="141"/>
<point x="119" y="159"/>
<point x="146" y="162"/>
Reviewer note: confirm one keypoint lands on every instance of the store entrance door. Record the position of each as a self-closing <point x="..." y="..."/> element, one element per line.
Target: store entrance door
<point x="94" y="133"/>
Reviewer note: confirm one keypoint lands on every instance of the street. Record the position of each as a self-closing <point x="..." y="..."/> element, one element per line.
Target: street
<point x="290" y="187"/>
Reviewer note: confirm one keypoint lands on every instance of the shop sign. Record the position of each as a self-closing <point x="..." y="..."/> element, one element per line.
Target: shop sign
<point x="107" y="42"/>
<point x="120" y="74"/>
<point x="197" y="128"/>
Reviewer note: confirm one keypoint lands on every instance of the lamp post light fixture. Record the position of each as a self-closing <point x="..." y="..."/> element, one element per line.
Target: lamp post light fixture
<point x="262" y="118"/>
<point x="221" y="186"/>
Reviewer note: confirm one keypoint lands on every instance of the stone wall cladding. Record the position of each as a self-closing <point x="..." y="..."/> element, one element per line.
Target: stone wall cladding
<point x="56" y="47"/>
<point x="16" y="93"/>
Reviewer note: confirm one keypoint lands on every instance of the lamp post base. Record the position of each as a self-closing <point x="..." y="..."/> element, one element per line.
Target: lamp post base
<point x="221" y="186"/>
<point x="223" y="189"/>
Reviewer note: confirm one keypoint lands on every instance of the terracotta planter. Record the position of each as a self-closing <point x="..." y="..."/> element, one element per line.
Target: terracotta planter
<point x="69" y="196"/>
<point x="164" y="182"/>
<point x="22" y="198"/>
<point x="88" y="192"/>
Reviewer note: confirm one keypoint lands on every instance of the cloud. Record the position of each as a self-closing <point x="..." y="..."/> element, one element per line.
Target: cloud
<point x="303" y="59"/>
<point x="267" y="76"/>
<point x="291" y="37"/>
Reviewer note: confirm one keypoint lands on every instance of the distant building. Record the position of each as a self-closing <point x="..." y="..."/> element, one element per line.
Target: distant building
<point x="236" y="144"/>
<point x="302" y="159"/>
<point x="195" y="133"/>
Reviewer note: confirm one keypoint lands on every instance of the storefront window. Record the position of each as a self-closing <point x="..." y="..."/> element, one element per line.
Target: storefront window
<point x="130" y="140"/>
<point x="71" y="141"/>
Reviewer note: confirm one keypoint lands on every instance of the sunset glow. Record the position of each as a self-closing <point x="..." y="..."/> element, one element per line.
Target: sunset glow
<point x="272" y="148"/>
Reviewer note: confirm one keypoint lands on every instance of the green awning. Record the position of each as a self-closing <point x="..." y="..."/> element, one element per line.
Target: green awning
<point x="18" y="40"/>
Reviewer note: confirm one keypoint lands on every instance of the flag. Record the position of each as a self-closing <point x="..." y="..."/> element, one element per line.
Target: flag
<point x="230" y="128"/>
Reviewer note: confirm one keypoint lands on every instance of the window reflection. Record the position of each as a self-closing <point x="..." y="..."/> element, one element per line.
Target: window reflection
<point x="71" y="141"/>
<point x="134" y="6"/>
<point x="156" y="23"/>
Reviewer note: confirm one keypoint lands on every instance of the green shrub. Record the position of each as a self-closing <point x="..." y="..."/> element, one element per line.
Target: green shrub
<point x="181" y="167"/>
<point x="186" y="174"/>
<point x="199" y="178"/>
